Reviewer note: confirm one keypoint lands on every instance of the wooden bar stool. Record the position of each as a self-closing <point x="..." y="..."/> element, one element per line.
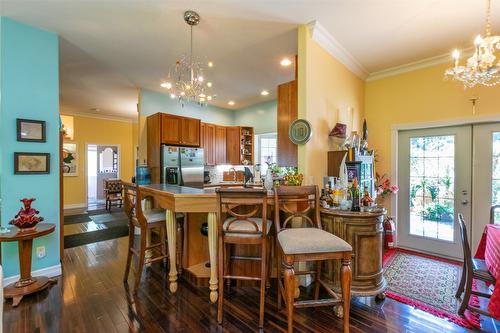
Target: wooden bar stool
<point x="307" y="244"/>
<point x="242" y="228"/>
<point x="145" y="220"/>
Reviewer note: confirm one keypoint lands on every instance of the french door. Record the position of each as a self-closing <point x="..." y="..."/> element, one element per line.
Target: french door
<point x="434" y="177"/>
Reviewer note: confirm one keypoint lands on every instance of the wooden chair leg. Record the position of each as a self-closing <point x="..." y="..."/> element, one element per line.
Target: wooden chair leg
<point x="227" y="263"/>
<point x="289" y="277"/>
<point x="316" y="279"/>
<point x="140" y="261"/>
<point x="220" y="268"/>
<point x="263" y="275"/>
<point x="345" y="280"/>
<point x="269" y="247"/>
<point x="129" y="252"/>
<point x="163" y="241"/>
<point x="278" y="276"/>
<point x="467" y="293"/>
<point x="460" y="288"/>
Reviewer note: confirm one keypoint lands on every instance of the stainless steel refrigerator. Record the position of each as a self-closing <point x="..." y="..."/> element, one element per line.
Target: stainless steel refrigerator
<point x="182" y="166"/>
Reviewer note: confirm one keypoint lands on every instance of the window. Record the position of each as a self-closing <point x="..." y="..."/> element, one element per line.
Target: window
<point x="495" y="194"/>
<point x="266" y="150"/>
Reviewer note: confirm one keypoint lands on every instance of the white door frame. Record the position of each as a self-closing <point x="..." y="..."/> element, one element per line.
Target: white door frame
<point x="422" y="125"/>
<point x="85" y="165"/>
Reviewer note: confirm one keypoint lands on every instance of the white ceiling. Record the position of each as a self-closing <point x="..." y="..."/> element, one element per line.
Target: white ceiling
<point x="110" y="48"/>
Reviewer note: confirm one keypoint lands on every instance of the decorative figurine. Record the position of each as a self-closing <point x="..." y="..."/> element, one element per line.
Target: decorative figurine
<point x="26" y="219"/>
<point x="367" y="199"/>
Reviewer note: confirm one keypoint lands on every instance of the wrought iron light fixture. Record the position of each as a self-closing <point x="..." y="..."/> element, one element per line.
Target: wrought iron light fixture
<point x="482" y="67"/>
<point x="186" y="81"/>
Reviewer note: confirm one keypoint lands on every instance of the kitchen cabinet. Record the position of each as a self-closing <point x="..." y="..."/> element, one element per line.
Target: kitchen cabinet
<point x="233" y="145"/>
<point x="220" y="145"/>
<point x="287" y="113"/>
<point x="207" y="142"/>
<point x="181" y="131"/>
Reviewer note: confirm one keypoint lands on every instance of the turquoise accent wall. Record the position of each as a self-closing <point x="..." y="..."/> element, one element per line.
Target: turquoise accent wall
<point x="29" y="88"/>
<point x="262" y="117"/>
<point x="153" y="102"/>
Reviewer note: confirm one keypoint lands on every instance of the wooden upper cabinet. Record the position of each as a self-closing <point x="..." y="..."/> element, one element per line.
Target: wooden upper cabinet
<point x="203" y="127"/>
<point x="177" y="130"/>
<point x="209" y="144"/>
<point x="171" y="127"/>
<point x="190" y="133"/>
<point x="220" y="145"/>
<point x="287" y="113"/>
<point x="233" y="145"/>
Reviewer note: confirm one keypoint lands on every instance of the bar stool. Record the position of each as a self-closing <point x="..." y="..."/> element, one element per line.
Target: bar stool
<point x="307" y="244"/>
<point x="242" y="228"/>
<point x="145" y="220"/>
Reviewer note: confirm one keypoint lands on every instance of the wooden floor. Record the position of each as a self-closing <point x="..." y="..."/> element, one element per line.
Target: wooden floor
<point x="92" y="298"/>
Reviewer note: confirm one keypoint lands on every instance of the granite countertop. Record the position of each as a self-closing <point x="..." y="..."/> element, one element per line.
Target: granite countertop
<point x="184" y="191"/>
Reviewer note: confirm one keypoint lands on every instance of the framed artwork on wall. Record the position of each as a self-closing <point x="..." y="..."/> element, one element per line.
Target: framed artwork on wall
<point x="29" y="130"/>
<point x="70" y="159"/>
<point x="31" y="163"/>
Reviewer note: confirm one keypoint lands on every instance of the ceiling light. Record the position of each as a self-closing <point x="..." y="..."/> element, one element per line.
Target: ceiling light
<point x="172" y="96"/>
<point x="209" y="84"/>
<point x="186" y="77"/>
<point x="482" y="67"/>
<point x="210" y="64"/>
<point x="230" y="102"/>
<point x="264" y="92"/>
<point x="167" y="85"/>
<point x="285" y="62"/>
<point x="209" y="98"/>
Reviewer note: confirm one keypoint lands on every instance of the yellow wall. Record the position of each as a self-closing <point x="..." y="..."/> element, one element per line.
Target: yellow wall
<point x="89" y="130"/>
<point x="418" y="97"/>
<point x="326" y="90"/>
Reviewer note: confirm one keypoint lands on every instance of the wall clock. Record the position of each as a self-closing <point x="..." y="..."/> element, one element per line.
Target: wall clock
<point x="300" y="131"/>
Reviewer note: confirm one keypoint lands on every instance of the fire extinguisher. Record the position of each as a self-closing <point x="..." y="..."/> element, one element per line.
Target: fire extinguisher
<point x="389" y="229"/>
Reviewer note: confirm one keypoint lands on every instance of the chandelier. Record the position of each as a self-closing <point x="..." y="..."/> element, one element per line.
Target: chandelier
<point x="186" y="81"/>
<point x="482" y="67"/>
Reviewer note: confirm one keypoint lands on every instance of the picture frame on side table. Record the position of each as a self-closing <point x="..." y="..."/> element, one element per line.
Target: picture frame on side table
<point x="31" y="163"/>
<point x="29" y="130"/>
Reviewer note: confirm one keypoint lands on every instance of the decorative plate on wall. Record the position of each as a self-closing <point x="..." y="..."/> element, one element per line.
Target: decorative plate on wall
<point x="300" y="131"/>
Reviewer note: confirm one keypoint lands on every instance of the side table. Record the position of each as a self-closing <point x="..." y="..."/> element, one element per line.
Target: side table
<point x="26" y="283"/>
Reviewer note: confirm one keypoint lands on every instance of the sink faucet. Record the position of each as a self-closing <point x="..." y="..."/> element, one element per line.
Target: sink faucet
<point x="234" y="173"/>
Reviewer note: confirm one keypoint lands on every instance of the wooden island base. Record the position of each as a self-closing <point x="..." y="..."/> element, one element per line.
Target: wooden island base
<point x="17" y="293"/>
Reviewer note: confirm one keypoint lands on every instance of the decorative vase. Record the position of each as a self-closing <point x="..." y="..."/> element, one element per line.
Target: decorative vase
<point x="26" y="219"/>
<point x="268" y="181"/>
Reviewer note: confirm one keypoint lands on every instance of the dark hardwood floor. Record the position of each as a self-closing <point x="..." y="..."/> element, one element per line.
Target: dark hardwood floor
<point x="92" y="298"/>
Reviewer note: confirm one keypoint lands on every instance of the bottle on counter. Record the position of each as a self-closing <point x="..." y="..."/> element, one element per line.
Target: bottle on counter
<point x="355" y="196"/>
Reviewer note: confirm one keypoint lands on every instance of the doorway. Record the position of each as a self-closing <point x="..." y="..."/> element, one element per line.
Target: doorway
<point x="443" y="172"/>
<point x="102" y="164"/>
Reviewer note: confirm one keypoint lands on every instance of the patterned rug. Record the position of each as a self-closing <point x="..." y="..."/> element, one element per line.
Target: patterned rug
<point x="427" y="283"/>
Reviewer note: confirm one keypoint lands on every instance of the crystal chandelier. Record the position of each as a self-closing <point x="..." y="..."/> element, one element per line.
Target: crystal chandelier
<point x="482" y="67"/>
<point x="186" y="81"/>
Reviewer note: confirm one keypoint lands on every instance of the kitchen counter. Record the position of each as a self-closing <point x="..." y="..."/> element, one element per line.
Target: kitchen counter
<point x="230" y="183"/>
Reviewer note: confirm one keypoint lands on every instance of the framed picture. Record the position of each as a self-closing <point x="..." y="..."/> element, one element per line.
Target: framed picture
<point x="70" y="159"/>
<point x="31" y="130"/>
<point x="31" y="163"/>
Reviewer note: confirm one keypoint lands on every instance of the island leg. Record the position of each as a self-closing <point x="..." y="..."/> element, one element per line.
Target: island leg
<point x="212" y="249"/>
<point x="172" y="249"/>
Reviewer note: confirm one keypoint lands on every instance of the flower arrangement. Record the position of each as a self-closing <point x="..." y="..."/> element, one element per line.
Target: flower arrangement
<point x="293" y="178"/>
<point x="384" y="187"/>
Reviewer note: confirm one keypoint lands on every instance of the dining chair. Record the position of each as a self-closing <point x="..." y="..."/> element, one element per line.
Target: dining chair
<point x="306" y="243"/>
<point x="239" y="224"/>
<point x="472" y="269"/>
<point x="492" y="213"/>
<point x="113" y="191"/>
<point x="144" y="220"/>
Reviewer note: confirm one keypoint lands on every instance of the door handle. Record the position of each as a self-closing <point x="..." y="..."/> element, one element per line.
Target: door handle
<point x="465" y="202"/>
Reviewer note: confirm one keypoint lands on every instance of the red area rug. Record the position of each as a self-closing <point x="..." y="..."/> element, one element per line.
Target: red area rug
<point x="427" y="283"/>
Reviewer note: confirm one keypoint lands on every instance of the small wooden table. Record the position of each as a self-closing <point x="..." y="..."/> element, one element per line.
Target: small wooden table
<point x="26" y="284"/>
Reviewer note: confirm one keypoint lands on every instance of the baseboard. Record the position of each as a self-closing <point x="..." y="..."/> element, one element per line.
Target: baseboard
<point x="51" y="271"/>
<point x="75" y="206"/>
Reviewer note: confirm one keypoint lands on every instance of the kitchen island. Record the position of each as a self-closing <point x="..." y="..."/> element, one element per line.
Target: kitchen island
<point x="198" y="205"/>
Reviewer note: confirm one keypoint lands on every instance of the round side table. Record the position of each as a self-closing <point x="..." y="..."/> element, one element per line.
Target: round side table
<point x="26" y="283"/>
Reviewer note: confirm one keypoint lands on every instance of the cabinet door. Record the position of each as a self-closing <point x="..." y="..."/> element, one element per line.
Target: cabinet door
<point x="220" y="145"/>
<point x="287" y="113"/>
<point x="209" y="144"/>
<point x="190" y="132"/>
<point x="233" y="145"/>
<point x="171" y="129"/>
<point x="203" y="128"/>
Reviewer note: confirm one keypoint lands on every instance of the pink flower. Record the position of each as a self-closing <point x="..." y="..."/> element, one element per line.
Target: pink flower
<point x="394" y="189"/>
<point x="379" y="190"/>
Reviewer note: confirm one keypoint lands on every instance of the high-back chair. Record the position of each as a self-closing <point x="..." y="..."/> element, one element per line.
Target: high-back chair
<point x="113" y="191"/>
<point x="145" y="220"/>
<point x="238" y="224"/>
<point x="307" y="243"/>
<point x="472" y="269"/>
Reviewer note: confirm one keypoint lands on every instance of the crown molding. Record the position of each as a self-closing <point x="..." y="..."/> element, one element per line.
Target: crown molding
<point x="103" y="117"/>
<point x="321" y="36"/>
<point x="416" y="65"/>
